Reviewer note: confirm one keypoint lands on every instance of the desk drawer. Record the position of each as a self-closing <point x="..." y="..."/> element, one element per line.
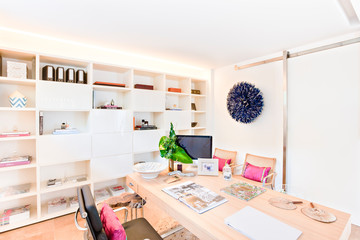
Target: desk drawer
<point x="131" y="184"/>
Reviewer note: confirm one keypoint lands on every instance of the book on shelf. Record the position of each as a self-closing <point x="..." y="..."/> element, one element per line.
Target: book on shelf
<point x="14" y="134"/>
<point x="177" y="90"/>
<point x="101" y="194"/>
<point x="16" y="214"/>
<point x="14" y="190"/>
<point x="14" y="161"/>
<point x="54" y="182"/>
<point x="57" y="204"/>
<point x="75" y="179"/>
<point x="243" y="190"/>
<point x="144" y="86"/>
<point x="65" y="131"/>
<point x="195" y="196"/>
<point x="116" y="190"/>
<point x="109" y="84"/>
<point x="73" y="201"/>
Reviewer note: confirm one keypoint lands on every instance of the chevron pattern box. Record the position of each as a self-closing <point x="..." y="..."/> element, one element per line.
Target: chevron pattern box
<point x="17" y="100"/>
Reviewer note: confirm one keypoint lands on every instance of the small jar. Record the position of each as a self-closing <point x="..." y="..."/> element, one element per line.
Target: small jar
<point x="227" y="172"/>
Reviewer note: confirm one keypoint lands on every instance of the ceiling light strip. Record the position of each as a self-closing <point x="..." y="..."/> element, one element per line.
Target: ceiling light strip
<point x="258" y="63"/>
<point x="97" y="47"/>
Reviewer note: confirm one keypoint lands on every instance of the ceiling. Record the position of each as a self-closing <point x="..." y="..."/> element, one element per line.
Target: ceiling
<point x="203" y="33"/>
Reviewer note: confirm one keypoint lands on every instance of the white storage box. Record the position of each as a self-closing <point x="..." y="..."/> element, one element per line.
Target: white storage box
<point x="16" y="70"/>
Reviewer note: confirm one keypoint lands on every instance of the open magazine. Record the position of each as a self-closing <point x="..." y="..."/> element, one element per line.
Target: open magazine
<point x="195" y="196"/>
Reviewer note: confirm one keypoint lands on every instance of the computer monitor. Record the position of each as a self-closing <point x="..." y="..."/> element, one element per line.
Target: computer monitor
<point x="196" y="146"/>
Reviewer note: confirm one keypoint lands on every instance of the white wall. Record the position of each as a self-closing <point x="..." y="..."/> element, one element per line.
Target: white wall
<point x="324" y="136"/>
<point x="263" y="136"/>
<point x="323" y="161"/>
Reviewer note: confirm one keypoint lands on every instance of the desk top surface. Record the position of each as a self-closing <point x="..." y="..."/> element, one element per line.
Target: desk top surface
<point x="210" y="225"/>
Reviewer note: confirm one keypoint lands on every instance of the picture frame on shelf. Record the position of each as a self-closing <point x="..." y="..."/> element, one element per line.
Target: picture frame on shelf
<point x="208" y="166"/>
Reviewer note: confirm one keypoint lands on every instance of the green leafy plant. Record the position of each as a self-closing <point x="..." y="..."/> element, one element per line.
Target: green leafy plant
<point x="170" y="150"/>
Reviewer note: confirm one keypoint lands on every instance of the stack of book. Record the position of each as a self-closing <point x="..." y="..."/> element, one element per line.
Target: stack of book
<point x="14" y="161"/>
<point x="75" y="179"/>
<point x="101" y="194"/>
<point x="16" y="214"/>
<point x="116" y="190"/>
<point x="57" y="204"/>
<point x="14" y="134"/>
<point x="54" y="182"/>
<point x="73" y="201"/>
<point x="14" y="190"/>
<point x="66" y="131"/>
<point x="144" y="86"/>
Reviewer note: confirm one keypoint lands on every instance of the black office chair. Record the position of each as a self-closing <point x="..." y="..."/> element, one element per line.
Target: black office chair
<point x="137" y="229"/>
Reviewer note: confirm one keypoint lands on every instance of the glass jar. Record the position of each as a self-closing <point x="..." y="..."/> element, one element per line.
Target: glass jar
<point x="227" y="172"/>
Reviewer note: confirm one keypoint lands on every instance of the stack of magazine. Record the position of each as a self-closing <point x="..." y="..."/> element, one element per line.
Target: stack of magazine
<point x="14" y="161"/>
<point x="243" y="190"/>
<point x="16" y="214"/>
<point x="195" y="196"/>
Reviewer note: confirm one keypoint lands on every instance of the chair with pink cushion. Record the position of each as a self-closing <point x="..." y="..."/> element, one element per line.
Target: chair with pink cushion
<point x="224" y="156"/>
<point x="259" y="169"/>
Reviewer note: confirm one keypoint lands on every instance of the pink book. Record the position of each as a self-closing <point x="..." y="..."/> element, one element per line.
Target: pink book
<point x="9" y="164"/>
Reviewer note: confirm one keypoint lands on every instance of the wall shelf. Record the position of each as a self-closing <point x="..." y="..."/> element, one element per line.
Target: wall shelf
<point x="107" y="146"/>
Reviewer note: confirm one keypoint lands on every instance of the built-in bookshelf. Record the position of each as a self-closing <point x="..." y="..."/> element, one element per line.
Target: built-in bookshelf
<point x="107" y="143"/>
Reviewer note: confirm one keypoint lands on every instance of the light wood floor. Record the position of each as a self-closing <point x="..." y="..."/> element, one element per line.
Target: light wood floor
<point x="63" y="228"/>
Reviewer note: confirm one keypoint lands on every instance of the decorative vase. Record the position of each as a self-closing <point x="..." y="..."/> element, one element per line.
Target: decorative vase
<point x="171" y="165"/>
<point x="17" y="100"/>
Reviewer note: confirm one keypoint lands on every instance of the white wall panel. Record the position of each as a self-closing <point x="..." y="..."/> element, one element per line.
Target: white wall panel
<point x="110" y="144"/>
<point x="105" y="121"/>
<point x="56" y="149"/>
<point x="111" y="167"/>
<point x="148" y="100"/>
<point x="324" y="136"/>
<point x="63" y="96"/>
<point x="147" y="140"/>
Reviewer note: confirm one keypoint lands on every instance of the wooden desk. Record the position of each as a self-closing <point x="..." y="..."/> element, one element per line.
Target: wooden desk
<point x="210" y="225"/>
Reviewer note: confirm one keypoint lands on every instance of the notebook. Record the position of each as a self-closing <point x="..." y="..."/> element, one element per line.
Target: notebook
<point x="257" y="225"/>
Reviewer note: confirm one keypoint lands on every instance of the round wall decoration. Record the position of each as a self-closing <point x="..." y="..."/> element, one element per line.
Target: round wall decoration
<point x="244" y="102"/>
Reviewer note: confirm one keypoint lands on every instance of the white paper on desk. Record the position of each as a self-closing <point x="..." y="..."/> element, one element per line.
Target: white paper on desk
<point x="257" y="225"/>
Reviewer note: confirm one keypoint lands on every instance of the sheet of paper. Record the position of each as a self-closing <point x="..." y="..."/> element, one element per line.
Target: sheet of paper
<point x="257" y="225"/>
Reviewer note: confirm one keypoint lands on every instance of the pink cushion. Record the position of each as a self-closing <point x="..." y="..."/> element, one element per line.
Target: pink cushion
<point x="112" y="226"/>
<point x="255" y="173"/>
<point x="222" y="162"/>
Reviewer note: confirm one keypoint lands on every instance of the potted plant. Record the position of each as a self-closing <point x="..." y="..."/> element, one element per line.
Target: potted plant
<point x="171" y="151"/>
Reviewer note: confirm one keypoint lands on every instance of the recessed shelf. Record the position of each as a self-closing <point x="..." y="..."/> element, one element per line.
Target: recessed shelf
<point x="18" y="81"/>
<point x="32" y="164"/>
<point x="177" y="94"/>
<point x="17" y="109"/>
<point x="109" y="88"/>
<point x="5" y="139"/>
<point x="45" y="189"/>
<point x="198" y="111"/>
<point x="198" y="95"/>
<point x="32" y="192"/>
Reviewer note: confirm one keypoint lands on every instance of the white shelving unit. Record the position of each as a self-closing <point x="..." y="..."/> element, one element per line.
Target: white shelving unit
<point x="108" y="144"/>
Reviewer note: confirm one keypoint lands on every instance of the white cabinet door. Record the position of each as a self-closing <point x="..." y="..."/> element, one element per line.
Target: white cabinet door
<point x="111" y="167"/>
<point x="106" y="121"/>
<point x="147" y="140"/>
<point x="148" y="101"/>
<point x="61" y="148"/>
<point x="180" y="119"/>
<point x="110" y="144"/>
<point x="63" y="96"/>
